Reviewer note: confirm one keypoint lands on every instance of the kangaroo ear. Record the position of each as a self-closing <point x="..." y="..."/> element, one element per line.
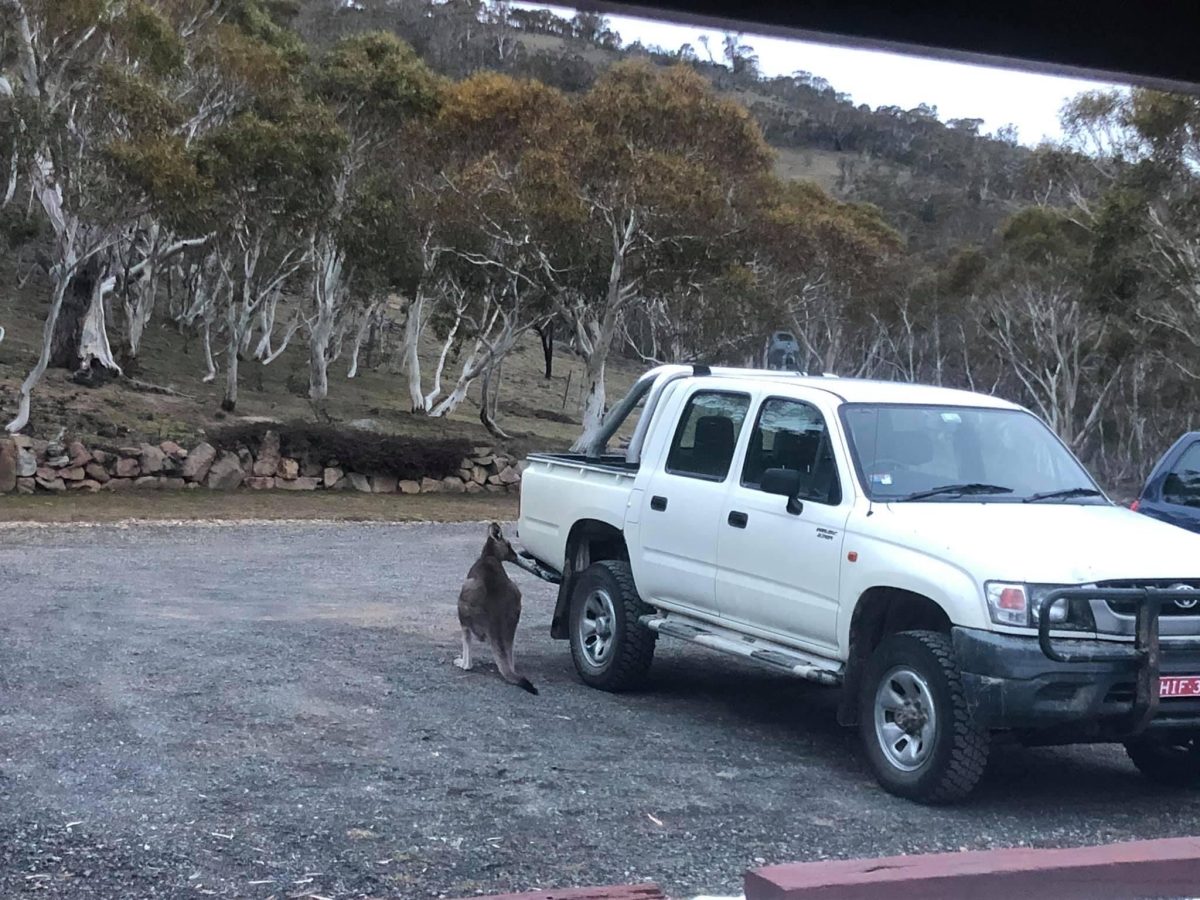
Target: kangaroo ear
<point x="494" y="530"/>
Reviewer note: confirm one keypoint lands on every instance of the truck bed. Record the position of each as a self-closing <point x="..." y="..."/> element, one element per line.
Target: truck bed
<point x="615" y="463"/>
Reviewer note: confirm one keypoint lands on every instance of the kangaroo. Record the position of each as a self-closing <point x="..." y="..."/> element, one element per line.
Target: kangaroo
<point x="489" y="607"/>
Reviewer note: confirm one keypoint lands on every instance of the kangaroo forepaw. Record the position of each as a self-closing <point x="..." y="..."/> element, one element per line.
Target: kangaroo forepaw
<point x="462" y="664"/>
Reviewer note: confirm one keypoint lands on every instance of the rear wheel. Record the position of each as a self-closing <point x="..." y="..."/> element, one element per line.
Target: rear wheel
<point x="612" y="650"/>
<point x="1175" y="763"/>
<point x="916" y="727"/>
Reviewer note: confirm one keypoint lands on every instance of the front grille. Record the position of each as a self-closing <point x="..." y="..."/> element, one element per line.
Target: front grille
<point x="1188" y="604"/>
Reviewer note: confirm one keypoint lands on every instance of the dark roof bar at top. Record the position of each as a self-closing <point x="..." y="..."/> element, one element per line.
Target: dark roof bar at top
<point x="1148" y="44"/>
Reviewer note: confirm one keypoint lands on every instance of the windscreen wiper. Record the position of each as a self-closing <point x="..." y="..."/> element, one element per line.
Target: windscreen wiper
<point x="974" y="487"/>
<point x="1064" y="494"/>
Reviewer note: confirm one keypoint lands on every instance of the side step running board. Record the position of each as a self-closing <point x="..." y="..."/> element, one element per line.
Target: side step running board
<point x="767" y="653"/>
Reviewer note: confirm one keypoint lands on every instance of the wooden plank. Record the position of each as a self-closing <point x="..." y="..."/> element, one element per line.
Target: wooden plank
<point x="1162" y="868"/>
<point x="617" y="892"/>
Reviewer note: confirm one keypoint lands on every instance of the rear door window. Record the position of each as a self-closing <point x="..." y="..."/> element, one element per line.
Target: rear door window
<point x="1182" y="486"/>
<point x="707" y="435"/>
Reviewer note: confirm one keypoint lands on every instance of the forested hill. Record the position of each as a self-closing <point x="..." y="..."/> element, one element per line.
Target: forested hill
<point x="939" y="183"/>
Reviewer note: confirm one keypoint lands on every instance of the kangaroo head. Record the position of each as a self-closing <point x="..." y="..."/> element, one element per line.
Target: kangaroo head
<point x="498" y="545"/>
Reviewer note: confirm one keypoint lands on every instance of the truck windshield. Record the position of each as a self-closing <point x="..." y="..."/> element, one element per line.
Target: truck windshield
<point x="954" y="454"/>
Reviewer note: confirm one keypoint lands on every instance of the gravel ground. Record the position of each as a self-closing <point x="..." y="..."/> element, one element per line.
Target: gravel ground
<point x="271" y="711"/>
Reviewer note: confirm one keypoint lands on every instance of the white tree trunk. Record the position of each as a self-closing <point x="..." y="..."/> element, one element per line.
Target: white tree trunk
<point x="360" y="335"/>
<point x="35" y="375"/>
<point x="413" y="327"/>
<point x="93" y="342"/>
<point x="594" y="398"/>
<point x="211" y="373"/>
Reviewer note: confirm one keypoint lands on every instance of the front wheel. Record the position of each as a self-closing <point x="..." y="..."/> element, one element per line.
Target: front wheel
<point x="1175" y="762"/>
<point x="610" y="647"/>
<point x="917" y="729"/>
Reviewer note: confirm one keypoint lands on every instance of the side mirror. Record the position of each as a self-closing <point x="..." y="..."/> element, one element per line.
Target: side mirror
<point x="785" y="483"/>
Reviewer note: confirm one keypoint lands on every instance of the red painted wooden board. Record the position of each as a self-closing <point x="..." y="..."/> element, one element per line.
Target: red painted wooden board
<point x="1164" y="868"/>
<point x="628" y="892"/>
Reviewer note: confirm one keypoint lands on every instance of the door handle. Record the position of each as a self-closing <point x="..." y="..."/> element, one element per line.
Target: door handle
<point x="738" y="519"/>
<point x="658" y="504"/>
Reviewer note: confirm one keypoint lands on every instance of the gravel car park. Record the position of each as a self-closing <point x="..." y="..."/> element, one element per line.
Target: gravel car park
<point x="257" y="711"/>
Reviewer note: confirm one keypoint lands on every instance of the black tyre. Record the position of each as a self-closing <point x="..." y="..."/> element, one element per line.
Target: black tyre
<point x="611" y="649"/>
<point x="917" y="730"/>
<point x="1174" y="762"/>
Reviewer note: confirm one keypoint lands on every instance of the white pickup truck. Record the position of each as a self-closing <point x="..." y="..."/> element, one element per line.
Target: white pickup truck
<point x="938" y="554"/>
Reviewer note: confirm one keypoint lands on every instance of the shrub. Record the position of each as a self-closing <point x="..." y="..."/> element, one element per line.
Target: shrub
<point x="354" y="449"/>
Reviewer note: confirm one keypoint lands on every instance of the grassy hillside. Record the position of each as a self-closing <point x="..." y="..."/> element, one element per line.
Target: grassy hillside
<point x="536" y="412"/>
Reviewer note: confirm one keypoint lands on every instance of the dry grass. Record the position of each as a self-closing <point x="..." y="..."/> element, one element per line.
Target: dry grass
<point x="268" y="506"/>
<point x="529" y="403"/>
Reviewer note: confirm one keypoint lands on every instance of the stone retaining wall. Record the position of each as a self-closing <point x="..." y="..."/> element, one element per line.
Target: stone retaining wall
<point x="29" y="466"/>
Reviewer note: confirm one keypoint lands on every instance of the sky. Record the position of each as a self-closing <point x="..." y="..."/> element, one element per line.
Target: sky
<point x="999" y="96"/>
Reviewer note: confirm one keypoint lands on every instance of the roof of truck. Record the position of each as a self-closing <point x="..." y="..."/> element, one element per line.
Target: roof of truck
<point x="864" y="390"/>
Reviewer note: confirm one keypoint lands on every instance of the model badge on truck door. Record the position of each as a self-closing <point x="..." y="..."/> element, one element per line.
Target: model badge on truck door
<point x="826" y="534"/>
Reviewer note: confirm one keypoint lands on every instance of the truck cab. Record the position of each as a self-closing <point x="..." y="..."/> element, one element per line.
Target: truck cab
<point x="939" y="555"/>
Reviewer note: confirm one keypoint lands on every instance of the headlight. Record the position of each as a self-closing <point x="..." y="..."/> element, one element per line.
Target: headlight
<point x="1019" y="604"/>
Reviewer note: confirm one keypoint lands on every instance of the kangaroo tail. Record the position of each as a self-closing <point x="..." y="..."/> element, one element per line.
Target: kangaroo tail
<point x="504" y="663"/>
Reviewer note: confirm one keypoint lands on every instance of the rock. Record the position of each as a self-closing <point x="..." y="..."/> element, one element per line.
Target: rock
<point x="246" y="458"/>
<point x="430" y="486"/>
<point x="26" y="485"/>
<point x="8" y="465"/>
<point x="482" y="451"/>
<point x="310" y="469"/>
<point x="79" y="454"/>
<point x="303" y="483"/>
<point x="57" y="485"/>
<point x="484" y="460"/>
<point x="383" y="484"/>
<point x="101" y="458"/>
<point x="127" y="468"/>
<point x="225" y="474"/>
<point x="409" y="487"/>
<point x="495" y="488"/>
<point x="55" y="448"/>
<point x="360" y="482"/>
<point x="474" y="488"/>
<point x="493" y="480"/>
<point x="119" y="484"/>
<point x="151" y="459"/>
<point x="479" y="475"/>
<point x="86" y="485"/>
<point x="172" y="484"/>
<point x="147" y="483"/>
<point x="452" y="485"/>
<point x="198" y="462"/>
<point x="510" y="476"/>
<point x="191" y="486"/>
<point x="268" y="454"/>
<point x="97" y="472"/>
<point x="171" y="466"/>
<point x="24" y="441"/>
<point x="287" y="469"/>
<point x="74" y="473"/>
<point x="58" y="462"/>
<point x="45" y="473"/>
<point x="26" y="463"/>
<point x="173" y="450"/>
<point x="131" y="452"/>
<point x="260" y="483"/>
<point x="366" y="425"/>
<point x="331" y="476"/>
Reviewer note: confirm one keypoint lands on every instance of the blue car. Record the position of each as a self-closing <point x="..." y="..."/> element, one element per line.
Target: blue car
<point x="1172" y="492"/>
